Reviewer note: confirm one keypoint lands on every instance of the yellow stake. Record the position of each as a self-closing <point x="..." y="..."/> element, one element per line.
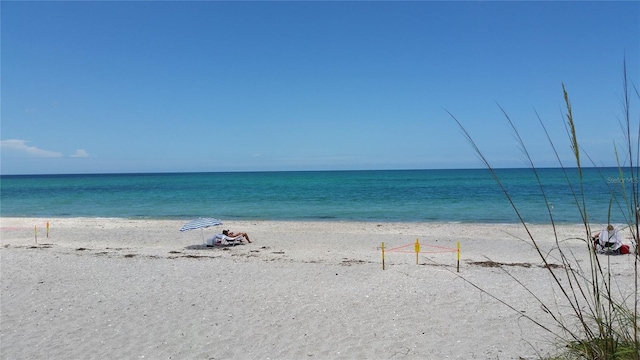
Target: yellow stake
<point x="383" y="255"/>
<point x="458" y="266"/>
<point x="35" y="232"/>
<point x="47" y="229"/>
<point x="417" y="246"/>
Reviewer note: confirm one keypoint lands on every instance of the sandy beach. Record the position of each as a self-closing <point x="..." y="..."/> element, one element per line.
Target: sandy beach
<point x="99" y="288"/>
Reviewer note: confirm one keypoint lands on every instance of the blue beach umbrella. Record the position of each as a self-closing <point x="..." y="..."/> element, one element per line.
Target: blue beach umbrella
<point x="200" y="223"/>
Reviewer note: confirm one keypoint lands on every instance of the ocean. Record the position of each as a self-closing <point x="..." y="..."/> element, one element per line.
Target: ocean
<point x="372" y="196"/>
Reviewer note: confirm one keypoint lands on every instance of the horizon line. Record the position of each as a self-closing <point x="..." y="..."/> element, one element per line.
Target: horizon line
<point x="301" y="171"/>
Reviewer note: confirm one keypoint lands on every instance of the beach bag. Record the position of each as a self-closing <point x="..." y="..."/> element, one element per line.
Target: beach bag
<point x="624" y="249"/>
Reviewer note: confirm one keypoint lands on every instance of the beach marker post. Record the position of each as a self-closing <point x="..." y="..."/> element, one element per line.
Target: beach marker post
<point x="417" y="248"/>
<point x="458" y="265"/>
<point x="47" y="229"/>
<point x="35" y="232"/>
<point x="383" y="255"/>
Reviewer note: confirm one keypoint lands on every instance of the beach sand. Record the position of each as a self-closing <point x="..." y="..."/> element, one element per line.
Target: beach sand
<point x="140" y="289"/>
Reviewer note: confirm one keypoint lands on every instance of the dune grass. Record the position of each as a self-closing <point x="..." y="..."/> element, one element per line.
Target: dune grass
<point x="602" y="323"/>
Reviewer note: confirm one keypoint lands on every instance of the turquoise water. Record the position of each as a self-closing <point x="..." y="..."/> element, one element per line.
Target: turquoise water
<point x="402" y="195"/>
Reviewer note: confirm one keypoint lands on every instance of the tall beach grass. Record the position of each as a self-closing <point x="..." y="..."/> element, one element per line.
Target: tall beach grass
<point x="599" y="321"/>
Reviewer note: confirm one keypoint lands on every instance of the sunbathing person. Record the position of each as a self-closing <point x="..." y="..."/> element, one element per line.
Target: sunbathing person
<point x="225" y="239"/>
<point x="232" y="234"/>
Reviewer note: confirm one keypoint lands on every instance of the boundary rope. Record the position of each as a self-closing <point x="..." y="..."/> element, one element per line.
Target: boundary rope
<point x="417" y="251"/>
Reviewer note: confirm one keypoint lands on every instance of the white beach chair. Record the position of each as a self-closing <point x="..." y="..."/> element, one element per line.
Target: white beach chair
<point x="224" y="240"/>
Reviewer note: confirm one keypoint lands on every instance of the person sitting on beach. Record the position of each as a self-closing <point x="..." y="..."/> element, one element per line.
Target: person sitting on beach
<point x="232" y="234"/>
<point x="610" y="241"/>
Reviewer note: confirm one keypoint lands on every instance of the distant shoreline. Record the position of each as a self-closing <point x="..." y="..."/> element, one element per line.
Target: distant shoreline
<point x="292" y="221"/>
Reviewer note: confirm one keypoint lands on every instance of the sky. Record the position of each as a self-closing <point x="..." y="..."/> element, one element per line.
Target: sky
<point x="164" y="86"/>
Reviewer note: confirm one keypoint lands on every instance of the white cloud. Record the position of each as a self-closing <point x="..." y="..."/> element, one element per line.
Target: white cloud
<point x="20" y="147"/>
<point x="80" y="153"/>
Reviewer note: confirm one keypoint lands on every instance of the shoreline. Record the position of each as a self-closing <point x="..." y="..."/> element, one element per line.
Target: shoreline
<point x="319" y="220"/>
<point x="141" y="288"/>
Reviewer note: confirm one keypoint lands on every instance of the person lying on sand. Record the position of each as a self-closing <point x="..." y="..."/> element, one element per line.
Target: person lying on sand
<point x="232" y="234"/>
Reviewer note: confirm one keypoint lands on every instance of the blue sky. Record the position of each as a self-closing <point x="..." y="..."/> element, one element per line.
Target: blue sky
<point x="102" y="87"/>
